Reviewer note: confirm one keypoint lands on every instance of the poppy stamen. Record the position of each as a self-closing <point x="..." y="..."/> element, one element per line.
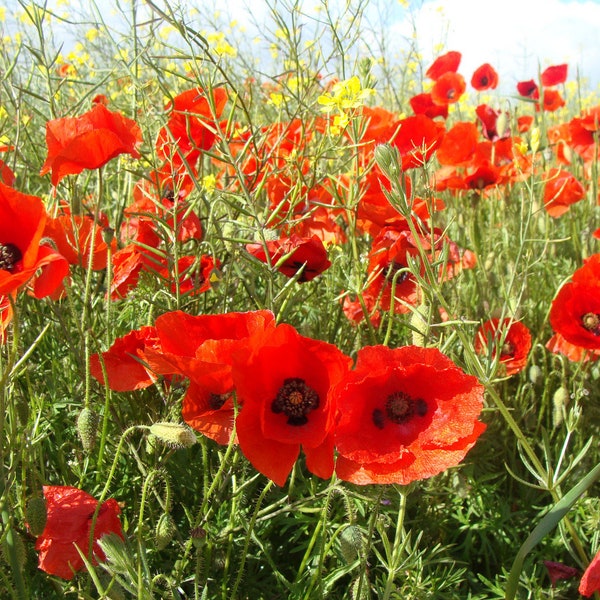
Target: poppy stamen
<point x="392" y="269"/>
<point x="508" y="349"/>
<point x="400" y="407"/>
<point x="10" y="255"/>
<point x="591" y="322"/>
<point x="295" y="399"/>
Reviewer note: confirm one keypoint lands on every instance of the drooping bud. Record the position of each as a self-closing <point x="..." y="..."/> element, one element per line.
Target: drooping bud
<point x="165" y="531"/>
<point x="535" y="374"/>
<point x="560" y="401"/>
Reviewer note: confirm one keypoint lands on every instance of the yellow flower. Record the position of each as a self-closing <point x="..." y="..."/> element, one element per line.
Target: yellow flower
<point x="209" y="182"/>
<point x="91" y="34"/>
<point x="275" y="98"/>
<point x="345" y="95"/>
<point x="2" y="14"/>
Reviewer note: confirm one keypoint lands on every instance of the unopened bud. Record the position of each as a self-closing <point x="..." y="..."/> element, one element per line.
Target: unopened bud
<point x="87" y="428"/>
<point x="36" y="515"/>
<point x="165" y="531"/>
<point x="535" y="374"/>
<point x="174" y="434"/>
<point x="560" y="401"/>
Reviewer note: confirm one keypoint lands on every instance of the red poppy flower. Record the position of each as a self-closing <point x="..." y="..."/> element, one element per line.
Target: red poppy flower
<point x="561" y="190"/>
<point x="195" y="274"/>
<point x="423" y="104"/>
<point x="524" y="123"/>
<point x="485" y="77"/>
<point x="575" y="314"/>
<point x="558" y="571"/>
<point x="515" y="341"/>
<point x="404" y="414"/>
<point x="294" y="255"/>
<point x="72" y="236"/>
<point x="356" y="312"/>
<point x="417" y="140"/>
<point x="88" y="141"/>
<point x="558" y="345"/>
<point x="529" y="89"/>
<point x="125" y="362"/>
<point x="590" y="582"/>
<point x="448" y="88"/>
<point x="6" y="174"/>
<point x="459" y="144"/>
<point x="22" y="222"/>
<point x="69" y="528"/>
<point x="204" y="355"/>
<point x="285" y="386"/>
<point x="484" y="175"/>
<point x="554" y="75"/>
<point x="552" y="100"/>
<point x="128" y="263"/>
<point x="447" y="63"/>
<point x="192" y="125"/>
<point x="488" y="117"/>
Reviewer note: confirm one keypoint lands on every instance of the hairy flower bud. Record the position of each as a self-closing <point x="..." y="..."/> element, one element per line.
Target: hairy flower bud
<point x="174" y="434"/>
<point x="87" y="428"/>
<point x="36" y="515"/>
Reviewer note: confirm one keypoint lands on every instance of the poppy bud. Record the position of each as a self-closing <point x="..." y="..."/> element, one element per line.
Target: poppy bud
<point x="419" y="326"/>
<point x="535" y="374"/>
<point x="36" y="515"/>
<point x="560" y="401"/>
<point x="350" y="543"/>
<point x="165" y="531"/>
<point x="388" y="159"/>
<point x="174" y="435"/>
<point x="87" y="428"/>
<point x="14" y="552"/>
<point x="198" y="535"/>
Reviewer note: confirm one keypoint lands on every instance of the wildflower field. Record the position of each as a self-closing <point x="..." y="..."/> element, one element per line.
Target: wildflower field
<point x="290" y="318"/>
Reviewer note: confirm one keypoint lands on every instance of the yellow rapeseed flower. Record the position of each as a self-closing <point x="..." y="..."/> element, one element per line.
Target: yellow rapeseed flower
<point x="2" y="14"/>
<point x="345" y="95"/>
<point x="276" y="99"/>
<point x="91" y="34"/>
<point x="209" y="182"/>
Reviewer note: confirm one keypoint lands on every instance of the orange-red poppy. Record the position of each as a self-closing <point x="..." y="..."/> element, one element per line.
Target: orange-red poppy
<point x="294" y="255"/>
<point x="404" y="414"/>
<point x="459" y="144"/>
<point x="88" y="141"/>
<point x="69" y="528"/>
<point x="512" y="338"/>
<point x="590" y="582"/>
<point x="194" y="274"/>
<point x="417" y="140"/>
<point x="423" y="104"/>
<point x="552" y="100"/>
<point x="554" y="75"/>
<point x="192" y="125"/>
<point x="558" y="345"/>
<point x="488" y="117"/>
<point x="485" y="77"/>
<point x="447" y="63"/>
<point x="125" y="362"/>
<point x="6" y="174"/>
<point x="22" y="222"/>
<point x="448" y="88"/>
<point x="204" y="355"/>
<point x="561" y="190"/>
<point x="284" y="385"/>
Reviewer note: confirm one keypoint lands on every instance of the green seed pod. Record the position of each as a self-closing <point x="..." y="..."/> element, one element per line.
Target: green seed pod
<point x="165" y="531"/>
<point x="87" y="428"/>
<point x="174" y="435"/>
<point x="36" y="515"/>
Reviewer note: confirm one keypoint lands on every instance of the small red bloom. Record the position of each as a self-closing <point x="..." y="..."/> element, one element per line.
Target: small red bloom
<point x="194" y="274"/>
<point x="88" y="141"/>
<point x="447" y="63"/>
<point x="448" y="89"/>
<point x="459" y="144"/>
<point x="22" y="222"/>
<point x="561" y="190"/>
<point x="294" y="255"/>
<point x="125" y="362"/>
<point x="423" y="104"/>
<point x="69" y="527"/>
<point x="554" y="75"/>
<point x="417" y="140"/>
<point x="552" y="100"/>
<point x="489" y="119"/>
<point x="529" y="89"/>
<point x="404" y="414"/>
<point x="590" y="582"/>
<point x="485" y="77"/>
<point x="285" y="386"/>
<point x="515" y="339"/>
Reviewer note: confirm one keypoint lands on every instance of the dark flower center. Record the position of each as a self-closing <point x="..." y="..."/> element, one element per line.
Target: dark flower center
<point x="508" y="349"/>
<point x="484" y="80"/>
<point x="591" y="322"/>
<point x="450" y="93"/>
<point x="399" y="408"/>
<point x="10" y="255"/>
<point x="392" y="269"/>
<point x="216" y="401"/>
<point x="295" y="399"/>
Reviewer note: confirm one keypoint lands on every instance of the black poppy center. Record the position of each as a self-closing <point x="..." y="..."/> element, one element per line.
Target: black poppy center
<point x="399" y="408"/>
<point x="484" y="81"/>
<point x="216" y="401"/>
<point x="295" y="399"/>
<point x="393" y="268"/>
<point x="508" y="349"/>
<point x="10" y="255"/>
<point x="591" y="322"/>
